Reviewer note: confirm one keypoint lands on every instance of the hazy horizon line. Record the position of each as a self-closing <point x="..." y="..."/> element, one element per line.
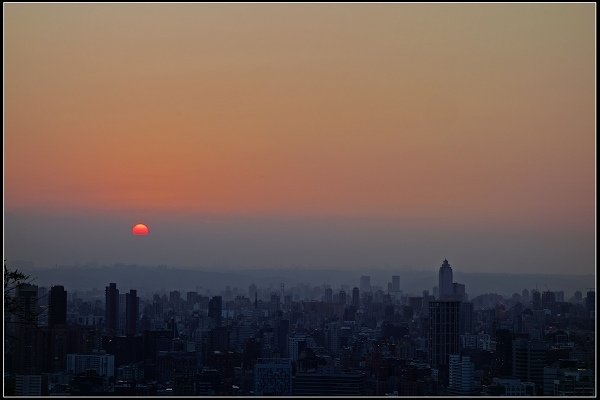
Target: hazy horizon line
<point x="92" y="265"/>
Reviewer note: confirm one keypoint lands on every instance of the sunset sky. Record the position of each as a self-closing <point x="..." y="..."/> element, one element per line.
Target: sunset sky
<point x="301" y="134"/>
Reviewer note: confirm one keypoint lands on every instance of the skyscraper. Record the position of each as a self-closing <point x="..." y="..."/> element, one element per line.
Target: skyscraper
<point x="465" y="318"/>
<point x="122" y="318"/>
<point x="132" y="306"/>
<point x="590" y="301"/>
<point x="355" y="297"/>
<point x="22" y="356"/>
<point x="215" y="308"/>
<point x="395" y="283"/>
<point x="548" y="300"/>
<point x="328" y="295"/>
<point x="282" y="330"/>
<point x="461" y="375"/>
<point x="536" y="300"/>
<point x="57" y="311"/>
<point x="443" y="331"/>
<point x="296" y="343"/>
<point x="458" y="291"/>
<point x="26" y="301"/>
<point x="446" y="287"/>
<point x="528" y="360"/>
<point x="273" y="377"/>
<point x="332" y="330"/>
<point x="112" y="308"/>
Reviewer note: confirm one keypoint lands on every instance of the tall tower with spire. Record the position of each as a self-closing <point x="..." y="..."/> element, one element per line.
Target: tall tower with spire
<point x="445" y="284"/>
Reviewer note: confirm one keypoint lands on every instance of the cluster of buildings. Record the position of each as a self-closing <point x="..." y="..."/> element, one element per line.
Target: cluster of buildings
<point x="302" y="341"/>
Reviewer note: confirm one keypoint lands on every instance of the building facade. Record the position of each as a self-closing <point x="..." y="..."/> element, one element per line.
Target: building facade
<point x="461" y="371"/>
<point x="112" y="309"/>
<point x="446" y="288"/>
<point x="443" y="335"/>
<point x="273" y="377"/>
<point x="102" y="364"/>
<point x="57" y="311"/>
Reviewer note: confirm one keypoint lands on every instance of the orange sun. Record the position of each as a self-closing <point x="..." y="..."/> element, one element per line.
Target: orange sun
<point x="140" y="230"/>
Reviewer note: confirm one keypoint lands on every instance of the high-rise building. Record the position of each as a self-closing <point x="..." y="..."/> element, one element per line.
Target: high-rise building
<point x="590" y="301"/>
<point x="465" y="318"/>
<point x="332" y="331"/>
<point x="355" y="297"/>
<point x="132" y="306"/>
<point x="58" y="343"/>
<point x="26" y="298"/>
<point x="31" y="385"/>
<point x="273" y="377"/>
<point x="112" y="308"/>
<point x="528" y="360"/>
<point x="282" y="330"/>
<point x="395" y="283"/>
<point x="22" y="357"/>
<point x="342" y="297"/>
<point x="215" y="309"/>
<point x="504" y="339"/>
<point x="365" y="284"/>
<point x="548" y="300"/>
<point x="328" y="295"/>
<point x="458" y="291"/>
<point x="296" y="343"/>
<point x="103" y="364"/>
<point x="461" y="371"/>
<point x="536" y="300"/>
<point x="122" y="314"/>
<point x="443" y="332"/>
<point x="57" y="310"/>
<point x="446" y="287"/>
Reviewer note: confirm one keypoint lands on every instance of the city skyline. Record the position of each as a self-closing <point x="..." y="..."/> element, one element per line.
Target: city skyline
<point x="331" y="135"/>
<point x="299" y="340"/>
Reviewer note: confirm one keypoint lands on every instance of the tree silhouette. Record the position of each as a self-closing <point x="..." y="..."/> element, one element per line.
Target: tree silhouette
<point x="14" y="310"/>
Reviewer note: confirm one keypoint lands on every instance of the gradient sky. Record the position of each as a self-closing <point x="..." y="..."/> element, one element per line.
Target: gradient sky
<point x="401" y="133"/>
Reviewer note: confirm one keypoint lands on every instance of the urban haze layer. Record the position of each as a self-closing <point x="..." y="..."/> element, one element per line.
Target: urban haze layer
<point x="300" y="340"/>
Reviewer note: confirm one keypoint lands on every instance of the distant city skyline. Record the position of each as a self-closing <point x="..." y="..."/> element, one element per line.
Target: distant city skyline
<point x="412" y="282"/>
<point x="298" y="339"/>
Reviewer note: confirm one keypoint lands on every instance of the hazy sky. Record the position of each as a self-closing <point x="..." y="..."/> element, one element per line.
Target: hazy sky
<point x="313" y="134"/>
